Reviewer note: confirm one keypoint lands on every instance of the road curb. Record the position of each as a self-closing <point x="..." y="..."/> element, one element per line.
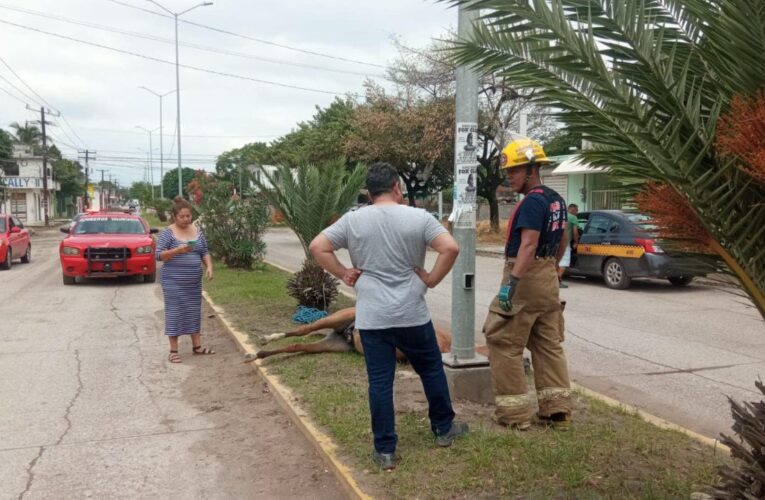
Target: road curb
<point x="299" y="416"/>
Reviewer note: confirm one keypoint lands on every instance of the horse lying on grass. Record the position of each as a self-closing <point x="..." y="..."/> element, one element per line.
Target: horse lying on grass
<point x="343" y="337"/>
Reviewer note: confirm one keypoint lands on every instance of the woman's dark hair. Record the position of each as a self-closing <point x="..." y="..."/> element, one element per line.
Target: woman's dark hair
<point x="179" y="204"/>
<point x="381" y="178"/>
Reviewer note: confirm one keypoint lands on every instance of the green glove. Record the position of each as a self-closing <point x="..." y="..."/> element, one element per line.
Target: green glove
<point x="506" y="293"/>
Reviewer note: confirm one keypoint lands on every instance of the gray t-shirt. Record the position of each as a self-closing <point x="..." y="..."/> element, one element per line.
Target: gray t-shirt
<point x="387" y="242"/>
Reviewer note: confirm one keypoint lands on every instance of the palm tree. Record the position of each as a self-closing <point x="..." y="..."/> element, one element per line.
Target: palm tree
<point x="28" y="135"/>
<point x="647" y="82"/>
<point x="310" y="197"/>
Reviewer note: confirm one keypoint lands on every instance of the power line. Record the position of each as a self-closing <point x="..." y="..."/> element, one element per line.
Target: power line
<point x="43" y="101"/>
<point x="202" y="136"/>
<point x="247" y="37"/>
<point x="31" y="99"/>
<point x="206" y="48"/>
<point x="186" y="66"/>
<point x="22" y="101"/>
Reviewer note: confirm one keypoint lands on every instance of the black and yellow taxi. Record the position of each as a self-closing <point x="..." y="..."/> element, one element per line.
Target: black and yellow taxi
<point x="619" y="246"/>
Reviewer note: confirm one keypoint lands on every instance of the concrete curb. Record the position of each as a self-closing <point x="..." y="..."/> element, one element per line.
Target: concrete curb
<point x="299" y="416"/>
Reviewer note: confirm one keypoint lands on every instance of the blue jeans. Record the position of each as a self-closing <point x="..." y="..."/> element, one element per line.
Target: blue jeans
<point x="419" y="345"/>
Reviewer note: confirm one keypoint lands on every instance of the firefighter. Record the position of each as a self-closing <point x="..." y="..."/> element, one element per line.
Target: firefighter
<point x="527" y="312"/>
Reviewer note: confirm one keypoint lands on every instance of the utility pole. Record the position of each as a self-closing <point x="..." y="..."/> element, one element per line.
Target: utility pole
<point x="161" y="147"/>
<point x="88" y="155"/>
<point x="151" y="151"/>
<point x="46" y="195"/>
<point x="467" y="372"/>
<point x="176" y="15"/>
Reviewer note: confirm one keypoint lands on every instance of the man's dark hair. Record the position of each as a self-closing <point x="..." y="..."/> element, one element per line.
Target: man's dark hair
<point x="381" y="178"/>
<point x="574" y="205"/>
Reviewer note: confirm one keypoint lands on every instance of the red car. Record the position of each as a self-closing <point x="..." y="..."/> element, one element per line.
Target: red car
<point x="107" y="245"/>
<point x="14" y="241"/>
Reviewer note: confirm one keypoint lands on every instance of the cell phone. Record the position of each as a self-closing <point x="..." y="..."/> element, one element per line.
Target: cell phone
<point x="192" y="242"/>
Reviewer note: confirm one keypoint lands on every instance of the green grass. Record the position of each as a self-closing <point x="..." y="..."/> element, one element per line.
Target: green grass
<point x="608" y="453"/>
<point x="153" y="221"/>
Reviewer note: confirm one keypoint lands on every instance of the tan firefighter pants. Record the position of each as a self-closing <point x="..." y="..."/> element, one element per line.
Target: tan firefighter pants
<point x="534" y="322"/>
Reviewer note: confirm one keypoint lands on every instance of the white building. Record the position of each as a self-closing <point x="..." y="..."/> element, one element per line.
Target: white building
<point x="21" y="190"/>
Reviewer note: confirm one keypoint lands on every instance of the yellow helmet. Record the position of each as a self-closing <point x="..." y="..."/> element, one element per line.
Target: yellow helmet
<point x="521" y="152"/>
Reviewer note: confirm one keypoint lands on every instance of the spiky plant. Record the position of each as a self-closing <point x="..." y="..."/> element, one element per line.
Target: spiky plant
<point x="747" y="479"/>
<point x="312" y="197"/>
<point x="646" y="82"/>
<point x="312" y="286"/>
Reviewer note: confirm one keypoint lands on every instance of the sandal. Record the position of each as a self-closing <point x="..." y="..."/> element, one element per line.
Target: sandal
<point x="202" y="350"/>
<point x="173" y="357"/>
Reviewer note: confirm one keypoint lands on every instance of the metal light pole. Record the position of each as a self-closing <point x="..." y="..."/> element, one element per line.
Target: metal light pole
<point x="176" y="15"/>
<point x="151" y="161"/>
<point x="161" y="142"/>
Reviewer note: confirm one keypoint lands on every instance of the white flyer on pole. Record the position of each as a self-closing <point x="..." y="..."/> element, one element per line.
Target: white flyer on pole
<point x="465" y="175"/>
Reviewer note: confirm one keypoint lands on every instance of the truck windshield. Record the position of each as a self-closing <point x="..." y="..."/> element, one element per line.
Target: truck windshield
<point x="109" y="225"/>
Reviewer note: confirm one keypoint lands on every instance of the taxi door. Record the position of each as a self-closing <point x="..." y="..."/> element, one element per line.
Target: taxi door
<point x="593" y="244"/>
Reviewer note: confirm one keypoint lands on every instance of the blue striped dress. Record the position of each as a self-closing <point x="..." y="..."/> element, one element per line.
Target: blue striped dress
<point x="181" y="279"/>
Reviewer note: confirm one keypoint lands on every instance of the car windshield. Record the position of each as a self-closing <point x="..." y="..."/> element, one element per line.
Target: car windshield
<point x="642" y="221"/>
<point x="2" y="225"/>
<point x="109" y="225"/>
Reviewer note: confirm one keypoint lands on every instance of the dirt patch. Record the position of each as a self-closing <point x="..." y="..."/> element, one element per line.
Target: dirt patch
<point x="265" y="456"/>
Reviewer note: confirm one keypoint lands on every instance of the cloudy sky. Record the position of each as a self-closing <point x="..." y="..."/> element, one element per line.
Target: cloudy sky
<point x="97" y="89"/>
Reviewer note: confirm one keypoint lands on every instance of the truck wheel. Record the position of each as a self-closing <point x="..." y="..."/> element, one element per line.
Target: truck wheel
<point x="614" y="274"/>
<point x="680" y="280"/>
<point x="8" y="260"/>
<point x="150" y="278"/>
<point x="69" y="280"/>
<point x="27" y="257"/>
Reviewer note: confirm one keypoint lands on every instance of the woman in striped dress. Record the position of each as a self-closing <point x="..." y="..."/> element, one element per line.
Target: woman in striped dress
<point x="183" y="249"/>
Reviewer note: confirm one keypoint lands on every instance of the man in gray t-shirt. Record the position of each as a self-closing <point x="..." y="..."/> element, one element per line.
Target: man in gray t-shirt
<point x="387" y="242"/>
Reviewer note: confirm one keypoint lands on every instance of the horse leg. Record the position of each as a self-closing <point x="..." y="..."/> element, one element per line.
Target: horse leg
<point x="332" y="342"/>
<point x="335" y="321"/>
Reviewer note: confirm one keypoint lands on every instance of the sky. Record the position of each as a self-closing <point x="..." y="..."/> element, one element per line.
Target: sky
<point x="97" y="92"/>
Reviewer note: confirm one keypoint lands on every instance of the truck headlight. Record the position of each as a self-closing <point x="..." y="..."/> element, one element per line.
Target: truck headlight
<point x="71" y="251"/>
<point x="143" y="249"/>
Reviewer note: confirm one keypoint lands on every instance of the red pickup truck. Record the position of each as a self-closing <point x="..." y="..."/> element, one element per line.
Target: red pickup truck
<point x="107" y="245"/>
<point x="14" y="241"/>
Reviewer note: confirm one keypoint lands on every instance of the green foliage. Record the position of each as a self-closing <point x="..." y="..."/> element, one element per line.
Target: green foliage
<point x="28" y="135"/>
<point x="162" y="206"/>
<point x="233" y="165"/>
<point x="6" y="145"/>
<point x="233" y="226"/>
<point x="141" y="191"/>
<point x="71" y="177"/>
<point x="317" y="141"/>
<point x="310" y="197"/>
<point x="170" y="182"/>
<point x="562" y="143"/>
<point x="312" y="286"/>
<point x="645" y="82"/>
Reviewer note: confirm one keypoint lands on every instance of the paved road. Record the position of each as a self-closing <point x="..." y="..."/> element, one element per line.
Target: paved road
<point x="677" y="353"/>
<point x="90" y="408"/>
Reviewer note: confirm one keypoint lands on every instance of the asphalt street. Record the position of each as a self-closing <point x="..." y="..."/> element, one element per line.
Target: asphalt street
<point x="90" y="408"/>
<point x="675" y="352"/>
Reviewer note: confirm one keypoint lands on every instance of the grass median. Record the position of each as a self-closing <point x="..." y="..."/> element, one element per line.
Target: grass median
<point x="608" y="453"/>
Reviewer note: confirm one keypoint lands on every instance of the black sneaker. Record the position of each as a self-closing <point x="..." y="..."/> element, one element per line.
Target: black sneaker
<point x="458" y="429"/>
<point x="386" y="461"/>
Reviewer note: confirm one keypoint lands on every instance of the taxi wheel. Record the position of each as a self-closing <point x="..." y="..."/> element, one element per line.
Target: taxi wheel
<point x="27" y="257"/>
<point x="615" y="275"/>
<point x="68" y="280"/>
<point x="8" y="260"/>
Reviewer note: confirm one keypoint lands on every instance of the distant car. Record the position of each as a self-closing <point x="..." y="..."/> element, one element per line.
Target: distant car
<point x="619" y="246"/>
<point x="14" y="241"/>
<point x="107" y="245"/>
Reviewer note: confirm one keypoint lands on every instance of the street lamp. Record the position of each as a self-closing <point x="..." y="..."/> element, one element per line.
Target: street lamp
<point x="151" y="153"/>
<point x="161" y="149"/>
<point x="176" y="15"/>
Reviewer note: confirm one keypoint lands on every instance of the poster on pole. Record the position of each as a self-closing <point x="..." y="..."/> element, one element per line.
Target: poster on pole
<point x="465" y="175"/>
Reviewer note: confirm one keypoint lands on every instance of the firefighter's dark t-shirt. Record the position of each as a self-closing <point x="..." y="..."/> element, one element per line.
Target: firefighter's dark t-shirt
<point x="543" y="210"/>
